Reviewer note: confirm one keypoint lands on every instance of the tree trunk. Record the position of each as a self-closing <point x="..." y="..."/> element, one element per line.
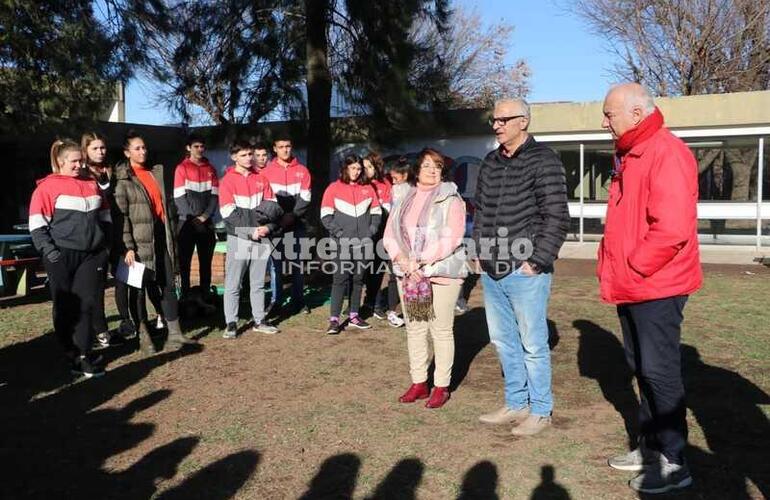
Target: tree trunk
<point x="319" y="97"/>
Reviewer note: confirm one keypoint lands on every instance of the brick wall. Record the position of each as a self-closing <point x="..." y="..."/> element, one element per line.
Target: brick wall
<point x="217" y="270"/>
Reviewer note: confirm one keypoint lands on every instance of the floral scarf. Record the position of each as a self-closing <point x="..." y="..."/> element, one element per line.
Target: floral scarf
<point x="418" y="293"/>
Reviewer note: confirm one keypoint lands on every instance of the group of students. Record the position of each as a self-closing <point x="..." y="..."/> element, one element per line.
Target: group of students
<point x="88" y="218"/>
<point x="262" y="205"/>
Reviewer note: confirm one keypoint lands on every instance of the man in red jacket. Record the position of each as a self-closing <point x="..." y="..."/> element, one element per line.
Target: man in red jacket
<point x="648" y="265"/>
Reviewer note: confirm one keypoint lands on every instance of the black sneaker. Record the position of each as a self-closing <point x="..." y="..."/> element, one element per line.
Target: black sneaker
<point x="87" y="368"/>
<point x="664" y="477"/>
<point x="231" y="331"/>
<point x="334" y="328"/>
<point x="304" y="309"/>
<point x="380" y="314"/>
<point x="126" y="330"/>
<point x="357" y="322"/>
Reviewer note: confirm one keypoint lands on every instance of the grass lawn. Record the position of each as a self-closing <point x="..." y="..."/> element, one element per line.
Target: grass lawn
<point x="305" y="415"/>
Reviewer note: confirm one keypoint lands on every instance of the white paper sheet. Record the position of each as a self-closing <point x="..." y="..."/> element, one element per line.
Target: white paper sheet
<point x="132" y="276"/>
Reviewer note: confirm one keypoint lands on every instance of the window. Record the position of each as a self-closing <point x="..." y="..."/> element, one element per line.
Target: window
<point x="727" y="167"/>
<point x="598" y="171"/>
<point x="570" y="157"/>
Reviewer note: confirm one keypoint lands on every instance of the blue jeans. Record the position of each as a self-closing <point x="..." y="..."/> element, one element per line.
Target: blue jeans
<point x="516" y="308"/>
<point x="298" y="279"/>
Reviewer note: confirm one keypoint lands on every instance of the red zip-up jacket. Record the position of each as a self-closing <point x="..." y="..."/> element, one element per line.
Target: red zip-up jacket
<point x="290" y="184"/>
<point x="68" y="212"/>
<point x="246" y="202"/>
<point x="196" y="188"/>
<point x="350" y="210"/>
<point x="383" y="189"/>
<point x="650" y="246"/>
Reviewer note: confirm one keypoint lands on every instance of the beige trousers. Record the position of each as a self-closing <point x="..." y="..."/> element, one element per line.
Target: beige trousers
<point x="441" y="331"/>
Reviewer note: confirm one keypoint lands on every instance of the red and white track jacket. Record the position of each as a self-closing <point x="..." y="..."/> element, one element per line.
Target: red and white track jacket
<point x="291" y="185"/>
<point x="196" y="188"/>
<point x="350" y="210"/>
<point x="383" y="189"/>
<point x="246" y="202"/>
<point x="68" y="212"/>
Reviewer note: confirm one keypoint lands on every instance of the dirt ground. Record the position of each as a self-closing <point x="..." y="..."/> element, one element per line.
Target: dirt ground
<point x="305" y="415"/>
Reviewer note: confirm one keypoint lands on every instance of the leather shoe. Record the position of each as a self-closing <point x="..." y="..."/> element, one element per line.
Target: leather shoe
<point x="438" y="397"/>
<point x="415" y="392"/>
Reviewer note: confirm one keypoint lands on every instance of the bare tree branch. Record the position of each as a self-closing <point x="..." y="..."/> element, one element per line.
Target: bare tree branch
<point x="686" y="47"/>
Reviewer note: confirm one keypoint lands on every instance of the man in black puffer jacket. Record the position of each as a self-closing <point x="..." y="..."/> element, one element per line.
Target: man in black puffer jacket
<point x="520" y="223"/>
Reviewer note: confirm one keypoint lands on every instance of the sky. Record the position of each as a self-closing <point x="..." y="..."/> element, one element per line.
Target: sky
<point x="568" y="62"/>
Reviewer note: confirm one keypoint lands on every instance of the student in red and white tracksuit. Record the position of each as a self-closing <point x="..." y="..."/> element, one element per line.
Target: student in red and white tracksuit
<point x="250" y="213"/>
<point x="196" y="190"/>
<point x="351" y="212"/>
<point x="383" y="303"/>
<point x="70" y="224"/>
<point x="290" y="181"/>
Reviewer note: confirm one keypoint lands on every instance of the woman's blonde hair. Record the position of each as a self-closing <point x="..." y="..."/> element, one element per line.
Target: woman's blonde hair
<point x="58" y="149"/>
<point x="87" y="139"/>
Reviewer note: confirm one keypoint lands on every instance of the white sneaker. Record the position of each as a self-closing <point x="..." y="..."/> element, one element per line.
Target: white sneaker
<point x="394" y="320"/>
<point x="265" y="328"/>
<point x="159" y="324"/>
<point x="636" y="460"/>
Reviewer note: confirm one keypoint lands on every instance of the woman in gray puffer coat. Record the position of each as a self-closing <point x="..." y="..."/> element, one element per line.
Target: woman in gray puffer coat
<point x="147" y="237"/>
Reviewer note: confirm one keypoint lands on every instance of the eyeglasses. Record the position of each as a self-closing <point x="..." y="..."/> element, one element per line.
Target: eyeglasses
<point x="503" y="120"/>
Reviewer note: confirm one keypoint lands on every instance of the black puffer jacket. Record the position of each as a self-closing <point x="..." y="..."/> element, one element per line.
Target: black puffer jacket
<point x="527" y="195"/>
<point x="136" y="219"/>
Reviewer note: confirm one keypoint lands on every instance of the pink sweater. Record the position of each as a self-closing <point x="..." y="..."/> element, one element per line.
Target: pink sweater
<point x="435" y="250"/>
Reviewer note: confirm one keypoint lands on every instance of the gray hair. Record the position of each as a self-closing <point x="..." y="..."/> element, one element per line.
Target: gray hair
<point x="524" y="105"/>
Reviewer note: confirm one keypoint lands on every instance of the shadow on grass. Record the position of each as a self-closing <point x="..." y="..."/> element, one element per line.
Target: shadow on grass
<point x="337" y="477"/>
<point x="480" y="482"/>
<point x="601" y="357"/>
<point x="724" y="404"/>
<point x="471" y="336"/>
<point x="57" y="440"/>
<point x="220" y="480"/>
<point x="401" y="482"/>
<point x="549" y="489"/>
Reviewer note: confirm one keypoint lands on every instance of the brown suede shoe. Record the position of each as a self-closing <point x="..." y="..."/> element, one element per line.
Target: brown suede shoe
<point x="532" y="425"/>
<point x="505" y="415"/>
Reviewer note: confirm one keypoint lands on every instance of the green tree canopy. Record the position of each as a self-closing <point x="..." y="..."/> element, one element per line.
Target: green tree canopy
<point x="57" y="62"/>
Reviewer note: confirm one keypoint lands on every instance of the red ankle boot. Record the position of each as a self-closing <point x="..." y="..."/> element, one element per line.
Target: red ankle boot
<point x="439" y="396"/>
<point x="415" y="392"/>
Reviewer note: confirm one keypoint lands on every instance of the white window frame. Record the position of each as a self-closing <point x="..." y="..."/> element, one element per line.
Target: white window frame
<point x="758" y="210"/>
